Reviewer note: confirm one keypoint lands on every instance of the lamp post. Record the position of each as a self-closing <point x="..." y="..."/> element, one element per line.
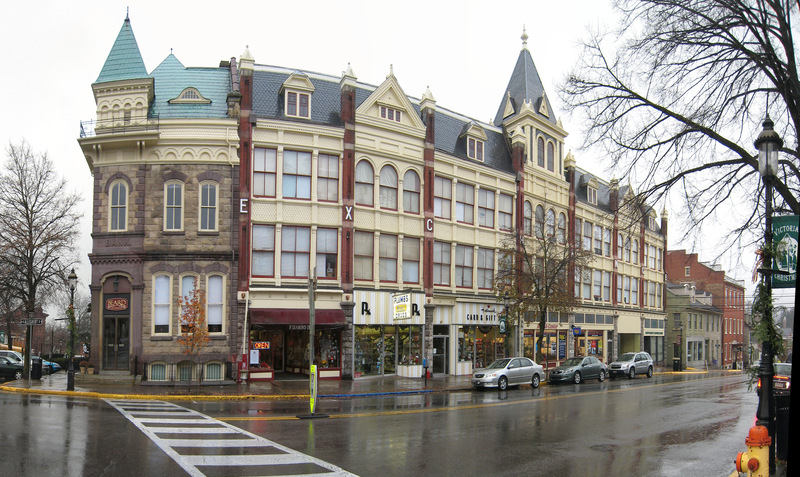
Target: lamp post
<point x="73" y="282"/>
<point x="768" y="144"/>
<point x="506" y="304"/>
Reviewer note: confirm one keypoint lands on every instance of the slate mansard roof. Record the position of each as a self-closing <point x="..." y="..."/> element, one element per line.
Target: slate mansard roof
<point x="326" y="110"/>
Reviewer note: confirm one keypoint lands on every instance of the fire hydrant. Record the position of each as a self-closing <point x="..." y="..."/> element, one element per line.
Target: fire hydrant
<point x="755" y="462"/>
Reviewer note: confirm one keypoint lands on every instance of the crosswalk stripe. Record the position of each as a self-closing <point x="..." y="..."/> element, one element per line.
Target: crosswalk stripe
<point x="206" y="432"/>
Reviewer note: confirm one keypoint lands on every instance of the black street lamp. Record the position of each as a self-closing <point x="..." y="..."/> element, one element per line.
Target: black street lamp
<point x="73" y="282"/>
<point x="768" y="144"/>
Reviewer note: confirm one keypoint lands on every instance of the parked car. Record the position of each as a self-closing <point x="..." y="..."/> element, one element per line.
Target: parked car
<point x="10" y="369"/>
<point x="15" y="356"/>
<point x="506" y="372"/>
<point x="578" y="369"/>
<point x="781" y="380"/>
<point x="631" y="364"/>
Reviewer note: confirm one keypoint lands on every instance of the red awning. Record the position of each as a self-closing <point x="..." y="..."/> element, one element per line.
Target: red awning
<point x="288" y="316"/>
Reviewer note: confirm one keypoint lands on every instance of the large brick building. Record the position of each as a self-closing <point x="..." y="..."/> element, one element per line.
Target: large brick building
<point x="728" y="296"/>
<point x="381" y="192"/>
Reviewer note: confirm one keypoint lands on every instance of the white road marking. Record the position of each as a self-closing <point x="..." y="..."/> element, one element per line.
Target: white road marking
<point x="160" y="413"/>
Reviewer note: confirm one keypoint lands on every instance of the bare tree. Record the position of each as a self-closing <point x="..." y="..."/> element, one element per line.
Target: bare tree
<point x="677" y="96"/>
<point x="40" y="223"/>
<point x="536" y="274"/>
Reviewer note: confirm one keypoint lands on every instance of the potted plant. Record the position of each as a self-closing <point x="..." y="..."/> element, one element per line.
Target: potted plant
<point x="90" y="368"/>
<point x="83" y="365"/>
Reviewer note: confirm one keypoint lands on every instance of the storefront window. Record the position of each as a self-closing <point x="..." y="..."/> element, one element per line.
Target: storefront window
<point x="489" y="345"/>
<point x="326" y="348"/>
<point x="466" y="343"/>
<point x="367" y="350"/>
<point x="410" y="345"/>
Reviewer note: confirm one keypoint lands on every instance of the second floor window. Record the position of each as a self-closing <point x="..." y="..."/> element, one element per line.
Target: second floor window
<point x="441" y="263"/>
<point x="263" y="250"/>
<point x="485" y="267"/>
<point x="486" y="208"/>
<point x="296" y="175"/>
<point x="464" y="261"/>
<point x="388" y="258"/>
<point x="118" y="207"/>
<point x="410" y="260"/>
<point x="363" y="255"/>
<point x="173" y="206"/>
<point x="327" y="252"/>
<point x="388" y="190"/>
<point x="562" y="228"/>
<point x="527" y="220"/>
<point x="505" y="212"/>
<point x="465" y="203"/>
<point x="208" y="207"/>
<point x="295" y="251"/>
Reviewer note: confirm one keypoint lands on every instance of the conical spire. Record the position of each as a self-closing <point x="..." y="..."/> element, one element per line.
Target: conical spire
<point x="524" y="86"/>
<point x="124" y="61"/>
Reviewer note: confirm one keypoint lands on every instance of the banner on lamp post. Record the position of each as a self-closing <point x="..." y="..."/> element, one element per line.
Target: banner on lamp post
<point x="784" y="239"/>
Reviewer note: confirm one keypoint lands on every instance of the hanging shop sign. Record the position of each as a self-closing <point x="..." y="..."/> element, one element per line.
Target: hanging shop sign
<point x="784" y="238"/>
<point x="503" y="324"/>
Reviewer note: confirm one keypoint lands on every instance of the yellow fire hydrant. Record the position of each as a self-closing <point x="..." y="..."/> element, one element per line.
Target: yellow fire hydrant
<point x="755" y="462"/>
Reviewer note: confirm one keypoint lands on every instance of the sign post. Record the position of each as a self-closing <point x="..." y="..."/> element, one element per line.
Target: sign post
<point x="312" y="369"/>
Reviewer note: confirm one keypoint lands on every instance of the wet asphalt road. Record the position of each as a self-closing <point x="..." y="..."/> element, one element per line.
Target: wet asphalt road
<point x="667" y="425"/>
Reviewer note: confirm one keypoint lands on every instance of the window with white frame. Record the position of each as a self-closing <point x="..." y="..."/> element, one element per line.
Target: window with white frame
<point x="387" y="262"/>
<point x="597" y="285"/>
<point x="606" y="286"/>
<point x="626" y="290"/>
<point x="634" y="291"/>
<point x="441" y="263"/>
<point x="214" y="303"/>
<point x="298" y="104"/>
<point x="411" y="192"/>
<point x="607" y="242"/>
<point x="390" y="113"/>
<point x="475" y="149"/>
<point x="296" y="177"/>
<point x="527" y="218"/>
<point x="619" y="288"/>
<point x="464" y="263"/>
<point x="295" y="251"/>
<point x="652" y="258"/>
<point x="208" y="206"/>
<point x="263" y="250"/>
<point x="539" y="222"/>
<point x="328" y="178"/>
<point x="620" y="242"/>
<point x="264" y="172"/>
<point x="118" y="207"/>
<point x="540" y="152"/>
<point x="627" y="249"/>
<point x="635" y="251"/>
<point x="598" y="240"/>
<point x="158" y="372"/>
<point x="550" y="222"/>
<point x="505" y="212"/>
<point x="388" y="188"/>
<point x="363" y="255"/>
<point x="485" y="268"/>
<point x="578" y="233"/>
<point x="173" y="206"/>
<point x="486" y="208"/>
<point x="586" y="274"/>
<point x="365" y="184"/>
<point x="327" y="252"/>
<point x="213" y="371"/>
<point x="591" y="194"/>
<point x="578" y="278"/>
<point x="652" y="294"/>
<point x="442" y="196"/>
<point x="162" y="292"/>
<point x="562" y="228"/>
<point x="410" y="260"/>
<point x="658" y="258"/>
<point x="551" y="154"/>
<point x="587" y="236"/>
<point x="188" y="285"/>
<point x="465" y="203"/>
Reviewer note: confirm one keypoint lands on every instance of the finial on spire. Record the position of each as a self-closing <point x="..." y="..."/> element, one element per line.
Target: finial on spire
<point x="524" y="38"/>
<point x="128" y="14"/>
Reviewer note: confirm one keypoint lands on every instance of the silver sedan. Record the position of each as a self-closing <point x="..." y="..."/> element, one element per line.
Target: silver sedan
<point x="508" y="372"/>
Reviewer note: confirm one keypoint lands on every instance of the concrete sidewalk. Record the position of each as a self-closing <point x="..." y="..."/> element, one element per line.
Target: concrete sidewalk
<point x="285" y="387"/>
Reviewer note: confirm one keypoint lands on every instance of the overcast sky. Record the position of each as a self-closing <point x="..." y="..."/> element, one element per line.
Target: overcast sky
<point x="464" y="50"/>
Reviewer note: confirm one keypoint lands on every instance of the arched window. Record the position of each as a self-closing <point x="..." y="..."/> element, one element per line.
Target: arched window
<point x="527" y="221"/>
<point x="388" y="190"/>
<point x="539" y="224"/>
<point x="158" y="372"/>
<point x="118" y="207"/>
<point x="551" y="155"/>
<point x="365" y="183"/>
<point x="551" y="223"/>
<point x="540" y="153"/>
<point x="562" y="228"/>
<point x="213" y="371"/>
<point x="411" y="189"/>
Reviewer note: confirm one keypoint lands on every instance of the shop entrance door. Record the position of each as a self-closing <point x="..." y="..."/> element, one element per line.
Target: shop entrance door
<point x="115" y="343"/>
<point x="440" y="354"/>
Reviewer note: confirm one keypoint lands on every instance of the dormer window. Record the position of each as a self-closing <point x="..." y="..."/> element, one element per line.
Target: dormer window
<point x="591" y="195"/>
<point x="390" y="114"/>
<point x="475" y="149"/>
<point x="190" y="96"/>
<point x="297" y="91"/>
<point x="297" y="104"/>
<point x="652" y="223"/>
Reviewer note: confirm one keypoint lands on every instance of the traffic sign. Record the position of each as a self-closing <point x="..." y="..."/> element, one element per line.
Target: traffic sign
<point x="31" y="321"/>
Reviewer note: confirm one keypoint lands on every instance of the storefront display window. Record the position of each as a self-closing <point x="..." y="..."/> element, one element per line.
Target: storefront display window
<point x="489" y="345"/>
<point x="410" y="345"/>
<point x="466" y="343"/>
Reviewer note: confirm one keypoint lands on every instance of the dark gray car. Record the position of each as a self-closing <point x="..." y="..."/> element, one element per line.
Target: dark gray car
<point x="578" y="369"/>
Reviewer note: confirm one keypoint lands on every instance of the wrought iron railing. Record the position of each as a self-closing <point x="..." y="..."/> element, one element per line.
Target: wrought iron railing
<point x="94" y="127"/>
